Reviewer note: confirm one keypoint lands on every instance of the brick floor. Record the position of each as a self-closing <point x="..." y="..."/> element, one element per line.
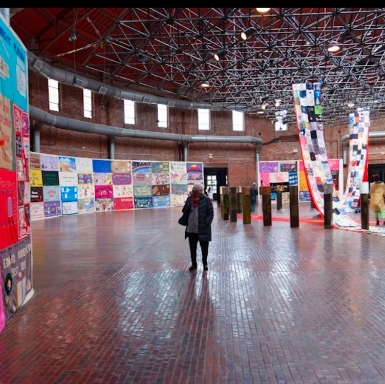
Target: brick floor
<point x="114" y="302"/>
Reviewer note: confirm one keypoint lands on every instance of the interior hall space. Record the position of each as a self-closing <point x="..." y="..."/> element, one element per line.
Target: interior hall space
<point x="116" y="303"/>
<point x="111" y="119"/>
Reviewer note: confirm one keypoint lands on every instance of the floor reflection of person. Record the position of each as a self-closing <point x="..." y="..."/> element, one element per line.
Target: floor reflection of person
<point x="196" y="332"/>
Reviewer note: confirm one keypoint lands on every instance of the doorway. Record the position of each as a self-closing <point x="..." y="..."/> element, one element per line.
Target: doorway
<point x="215" y="178"/>
<point x="376" y="168"/>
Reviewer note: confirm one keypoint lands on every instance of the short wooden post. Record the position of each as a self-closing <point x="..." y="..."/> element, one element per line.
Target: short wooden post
<point x="246" y="205"/>
<point x="239" y="200"/>
<point x="279" y="196"/>
<point x="294" y="206"/>
<point x="233" y="204"/>
<point x="225" y="203"/>
<point x="328" y="205"/>
<point x="266" y="205"/>
<point x="364" y="204"/>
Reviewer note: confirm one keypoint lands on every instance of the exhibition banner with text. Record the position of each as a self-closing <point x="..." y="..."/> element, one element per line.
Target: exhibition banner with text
<point x="14" y="174"/>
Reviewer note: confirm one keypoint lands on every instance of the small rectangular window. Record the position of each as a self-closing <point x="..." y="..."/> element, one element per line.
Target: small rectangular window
<point x="87" y="103"/>
<point x="162" y="116"/>
<point x="129" y="112"/>
<point x="281" y="120"/>
<point x="204" y="119"/>
<point x="238" y="121"/>
<point x="53" y="95"/>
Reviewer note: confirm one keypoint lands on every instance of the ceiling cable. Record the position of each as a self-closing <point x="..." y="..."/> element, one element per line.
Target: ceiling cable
<point x="95" y="29"/>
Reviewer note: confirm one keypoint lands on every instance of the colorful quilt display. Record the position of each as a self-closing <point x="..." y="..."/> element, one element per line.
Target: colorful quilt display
<point x="308" y="109"/>
<point x="62" y="185"/>
<point x="292" y="173"/>
<point x="359" y="123"/>
<point x="15" y="183"/>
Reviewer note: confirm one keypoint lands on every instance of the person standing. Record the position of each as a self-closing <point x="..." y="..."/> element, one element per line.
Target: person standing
<point x="253" y="196"/>
<point x="198" y="228"/>
<point x="376" y="195"/>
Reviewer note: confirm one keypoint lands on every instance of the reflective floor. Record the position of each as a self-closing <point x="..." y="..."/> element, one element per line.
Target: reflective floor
<point x="114" y="302"/>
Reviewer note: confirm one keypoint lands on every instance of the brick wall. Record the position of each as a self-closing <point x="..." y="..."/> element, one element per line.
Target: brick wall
<point x="238" y="158"/>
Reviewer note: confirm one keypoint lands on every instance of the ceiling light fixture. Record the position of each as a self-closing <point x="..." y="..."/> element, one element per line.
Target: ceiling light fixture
<point x="220" y="54"/>
<point x="333" y="47"/>
<point x="205" y="84"/>
<point x="263" y="10"/>
<point x="143" y="57"/>
<point x="248" y="33"/>
<point x="73" y="36"/>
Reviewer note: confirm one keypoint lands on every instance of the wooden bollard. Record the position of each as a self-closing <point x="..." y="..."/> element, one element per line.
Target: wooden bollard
<point x="280" y="189"/>
<point x="233" y="204"/>
<point x="266" y="204"/>
<point x="294" y="206"/>
<point x="246" y="205"/>
<point x="328" y="205"/>
<point x="239" y="200"/>
<point x="364" y="204"/>
<point x="225" y="203"/>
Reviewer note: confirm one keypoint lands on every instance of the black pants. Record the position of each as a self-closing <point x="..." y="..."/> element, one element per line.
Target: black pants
<point x="193" y="242"/>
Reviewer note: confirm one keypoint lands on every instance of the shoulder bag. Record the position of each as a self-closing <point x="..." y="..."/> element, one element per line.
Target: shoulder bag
<point x="183" y="220"/>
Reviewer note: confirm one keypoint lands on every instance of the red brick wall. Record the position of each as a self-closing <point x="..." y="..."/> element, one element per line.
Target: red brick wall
<point x="238" y="158"/>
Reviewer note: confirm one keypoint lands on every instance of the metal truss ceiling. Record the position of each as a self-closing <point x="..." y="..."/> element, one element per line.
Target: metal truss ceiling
<point x="169" y="52"/>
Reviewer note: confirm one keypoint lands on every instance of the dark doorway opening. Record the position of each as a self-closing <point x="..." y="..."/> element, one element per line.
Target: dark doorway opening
<point x="215" y="178"/>
<point x="376" y="168"/>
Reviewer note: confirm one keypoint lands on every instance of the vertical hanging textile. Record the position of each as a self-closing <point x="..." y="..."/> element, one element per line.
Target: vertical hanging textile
<point x="308" y="109"/>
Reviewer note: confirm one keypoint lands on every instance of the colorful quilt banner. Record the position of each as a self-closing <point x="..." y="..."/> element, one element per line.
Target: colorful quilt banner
<point x="307" y="101"/>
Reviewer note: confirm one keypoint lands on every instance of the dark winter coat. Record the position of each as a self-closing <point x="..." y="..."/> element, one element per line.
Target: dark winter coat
<point x="205" y="217"/>
<point x="253" y="194"/>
